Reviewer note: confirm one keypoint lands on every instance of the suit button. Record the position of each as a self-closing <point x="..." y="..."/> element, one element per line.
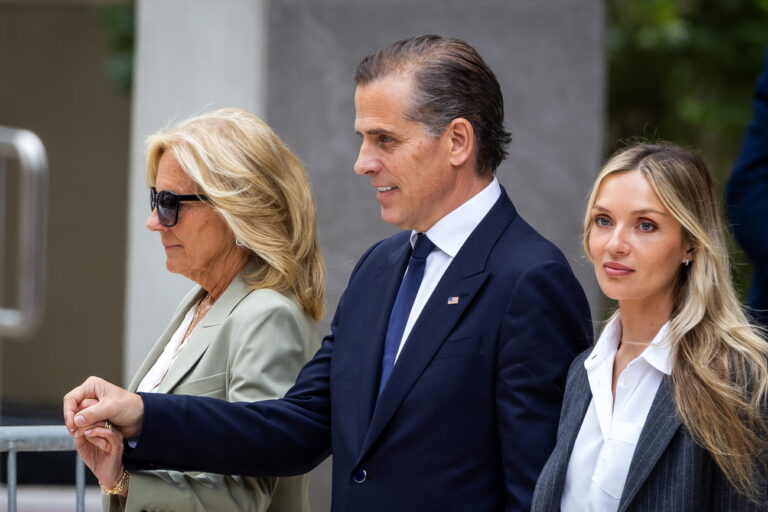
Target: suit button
<point x="359" y="476"/>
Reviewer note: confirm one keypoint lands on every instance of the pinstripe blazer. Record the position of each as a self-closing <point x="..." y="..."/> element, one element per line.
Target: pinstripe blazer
<point x="668" y="472"/>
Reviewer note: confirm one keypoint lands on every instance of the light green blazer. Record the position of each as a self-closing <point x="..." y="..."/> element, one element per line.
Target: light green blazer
<point x="250" y="346"/>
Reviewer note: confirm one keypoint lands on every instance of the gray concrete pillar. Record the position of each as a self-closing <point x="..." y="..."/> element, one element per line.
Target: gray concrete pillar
<point x="193" y="56"/>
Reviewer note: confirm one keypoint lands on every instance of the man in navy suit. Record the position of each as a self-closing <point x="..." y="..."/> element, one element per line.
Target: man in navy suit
<point x="747" y="198"/>
<point x="440" y="385"/>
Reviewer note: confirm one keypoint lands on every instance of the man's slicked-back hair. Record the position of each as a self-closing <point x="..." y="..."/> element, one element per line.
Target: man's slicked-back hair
<point x="450" y="81"/>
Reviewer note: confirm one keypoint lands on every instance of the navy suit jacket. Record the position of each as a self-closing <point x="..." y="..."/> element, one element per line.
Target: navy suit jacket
<point x="747" y="197"/>
<point x="468" y="416"/>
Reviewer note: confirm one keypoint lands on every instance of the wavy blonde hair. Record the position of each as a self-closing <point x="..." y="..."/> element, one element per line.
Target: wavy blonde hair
<point x="720" y="373"/>
<point x="259" y="187"/>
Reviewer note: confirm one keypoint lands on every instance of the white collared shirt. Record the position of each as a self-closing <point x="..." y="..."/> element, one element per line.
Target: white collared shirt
<point x="599" y="463"/>
<point x="448" y="235"/>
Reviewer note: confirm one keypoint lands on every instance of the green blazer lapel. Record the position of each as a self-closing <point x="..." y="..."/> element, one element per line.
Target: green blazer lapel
<point x="178" y="316"/>
<point x="237" y="290"/>
<point x="204" y="334"/>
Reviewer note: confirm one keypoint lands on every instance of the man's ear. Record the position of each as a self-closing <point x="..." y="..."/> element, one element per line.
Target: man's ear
<point x="462" y="141"/>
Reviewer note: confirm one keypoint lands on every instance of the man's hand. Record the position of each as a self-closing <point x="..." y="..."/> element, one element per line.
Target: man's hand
<point x="113" y="404"/>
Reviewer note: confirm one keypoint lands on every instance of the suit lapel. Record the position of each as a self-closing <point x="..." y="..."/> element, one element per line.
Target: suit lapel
<point x="204" y="334"/>
<point x="385" y="285"/>
<point x="463" y="278"/>
<point x="659" y="428"/>
<point x="164" y="338"/>
<point x="576" y="403"/>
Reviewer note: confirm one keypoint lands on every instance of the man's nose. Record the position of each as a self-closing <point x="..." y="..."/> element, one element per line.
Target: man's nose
<point x="367" y="161"/>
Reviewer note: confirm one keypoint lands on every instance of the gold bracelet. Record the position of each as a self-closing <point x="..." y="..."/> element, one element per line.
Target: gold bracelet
<point x="119" y="487"/>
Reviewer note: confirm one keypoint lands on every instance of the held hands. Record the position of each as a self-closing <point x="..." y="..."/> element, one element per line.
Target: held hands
<point x="95" y="401"/>
<point x="101" y="448"/>
<point x="86" y="411"/>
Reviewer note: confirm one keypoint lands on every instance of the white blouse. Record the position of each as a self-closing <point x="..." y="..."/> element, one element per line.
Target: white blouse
<point x="154" y="376"/>
<point x="599" y="463"/>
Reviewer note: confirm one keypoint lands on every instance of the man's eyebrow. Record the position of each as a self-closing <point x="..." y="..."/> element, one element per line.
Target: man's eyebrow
<point x="374" y="131"/>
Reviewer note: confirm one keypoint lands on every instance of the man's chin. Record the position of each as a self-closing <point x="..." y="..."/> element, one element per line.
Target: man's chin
<point x="390" y="217"/>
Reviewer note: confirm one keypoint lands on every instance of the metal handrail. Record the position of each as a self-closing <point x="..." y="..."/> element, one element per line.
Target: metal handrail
<point x="26" y="148"/>
<point x="46" y="438"/>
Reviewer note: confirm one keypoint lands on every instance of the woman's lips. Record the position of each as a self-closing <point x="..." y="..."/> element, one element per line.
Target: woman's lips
<point x="616" y="269"/>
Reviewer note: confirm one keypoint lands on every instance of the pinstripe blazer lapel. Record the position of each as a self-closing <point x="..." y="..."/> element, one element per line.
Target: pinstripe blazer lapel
<point x="578" y="395"/>
<point x="659" y="428"/>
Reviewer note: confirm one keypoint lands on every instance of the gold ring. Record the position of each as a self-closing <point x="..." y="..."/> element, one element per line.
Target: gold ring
<point x="107" y="425"/>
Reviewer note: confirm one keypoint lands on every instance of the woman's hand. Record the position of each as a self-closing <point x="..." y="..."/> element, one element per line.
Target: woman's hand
<point x="101" y="448"/>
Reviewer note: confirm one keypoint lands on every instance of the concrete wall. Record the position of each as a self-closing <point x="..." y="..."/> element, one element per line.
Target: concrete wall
<point x="193" y="56"/>
<point x="548" y="57"/>
<point x="292" y="62"/>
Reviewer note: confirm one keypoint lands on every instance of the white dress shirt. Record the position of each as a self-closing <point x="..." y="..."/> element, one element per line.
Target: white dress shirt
<point x="599" y="463"/>
<point x="448" y="235"/>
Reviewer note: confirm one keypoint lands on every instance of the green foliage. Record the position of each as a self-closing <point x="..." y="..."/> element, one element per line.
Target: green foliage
<point x="118" y="25"/>
<point x="683" y="70"/>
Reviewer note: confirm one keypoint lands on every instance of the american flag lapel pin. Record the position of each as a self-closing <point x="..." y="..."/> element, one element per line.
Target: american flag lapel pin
<point x="453" y="300"/>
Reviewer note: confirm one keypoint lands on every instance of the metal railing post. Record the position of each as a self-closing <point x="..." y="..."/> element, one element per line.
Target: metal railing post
<point x="79" y="484"/>
<point x="11" y="479"/>
<point x="39" y="438"/>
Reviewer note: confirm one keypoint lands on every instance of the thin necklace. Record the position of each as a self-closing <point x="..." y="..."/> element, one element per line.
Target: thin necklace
<point x="203" y="306"/>
<point x="636" y="342"/>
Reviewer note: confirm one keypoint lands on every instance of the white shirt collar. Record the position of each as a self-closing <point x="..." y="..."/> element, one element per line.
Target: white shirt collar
<point x="658" y="354"/>
<point x="450" y="232"/>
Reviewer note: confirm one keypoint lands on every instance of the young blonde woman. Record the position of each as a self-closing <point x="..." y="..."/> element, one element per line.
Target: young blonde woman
<point x="667" y="410"/>
<point x="233" y="212"/>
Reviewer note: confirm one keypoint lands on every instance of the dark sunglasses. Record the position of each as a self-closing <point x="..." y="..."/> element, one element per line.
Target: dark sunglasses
<point x="167" y="204"/>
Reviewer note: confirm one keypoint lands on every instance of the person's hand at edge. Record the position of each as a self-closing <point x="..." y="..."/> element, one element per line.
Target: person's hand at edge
<point x="114" y="404"/>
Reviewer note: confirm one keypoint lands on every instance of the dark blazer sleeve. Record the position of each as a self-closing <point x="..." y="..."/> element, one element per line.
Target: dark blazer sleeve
<point x="282" y="437"/>
<point x="545" y="326"/>
<point x="268" y="438"/>
<point x="747" y="193"/>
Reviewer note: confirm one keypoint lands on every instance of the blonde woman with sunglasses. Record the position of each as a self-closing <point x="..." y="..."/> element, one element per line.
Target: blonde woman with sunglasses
<point x="232" y="209"/>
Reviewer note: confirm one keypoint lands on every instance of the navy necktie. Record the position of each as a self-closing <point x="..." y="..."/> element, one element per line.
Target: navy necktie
<point x="403" y="304"/>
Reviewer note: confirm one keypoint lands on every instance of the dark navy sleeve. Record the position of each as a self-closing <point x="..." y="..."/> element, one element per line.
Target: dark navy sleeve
<point x="747" y="196"/>
<point x="546" y="324"/>
<point x="284" y="437"/>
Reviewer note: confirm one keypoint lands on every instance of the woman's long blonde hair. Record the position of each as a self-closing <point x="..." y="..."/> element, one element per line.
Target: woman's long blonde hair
<point x="259" y="187"/>
<point x="720" y="372"/>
